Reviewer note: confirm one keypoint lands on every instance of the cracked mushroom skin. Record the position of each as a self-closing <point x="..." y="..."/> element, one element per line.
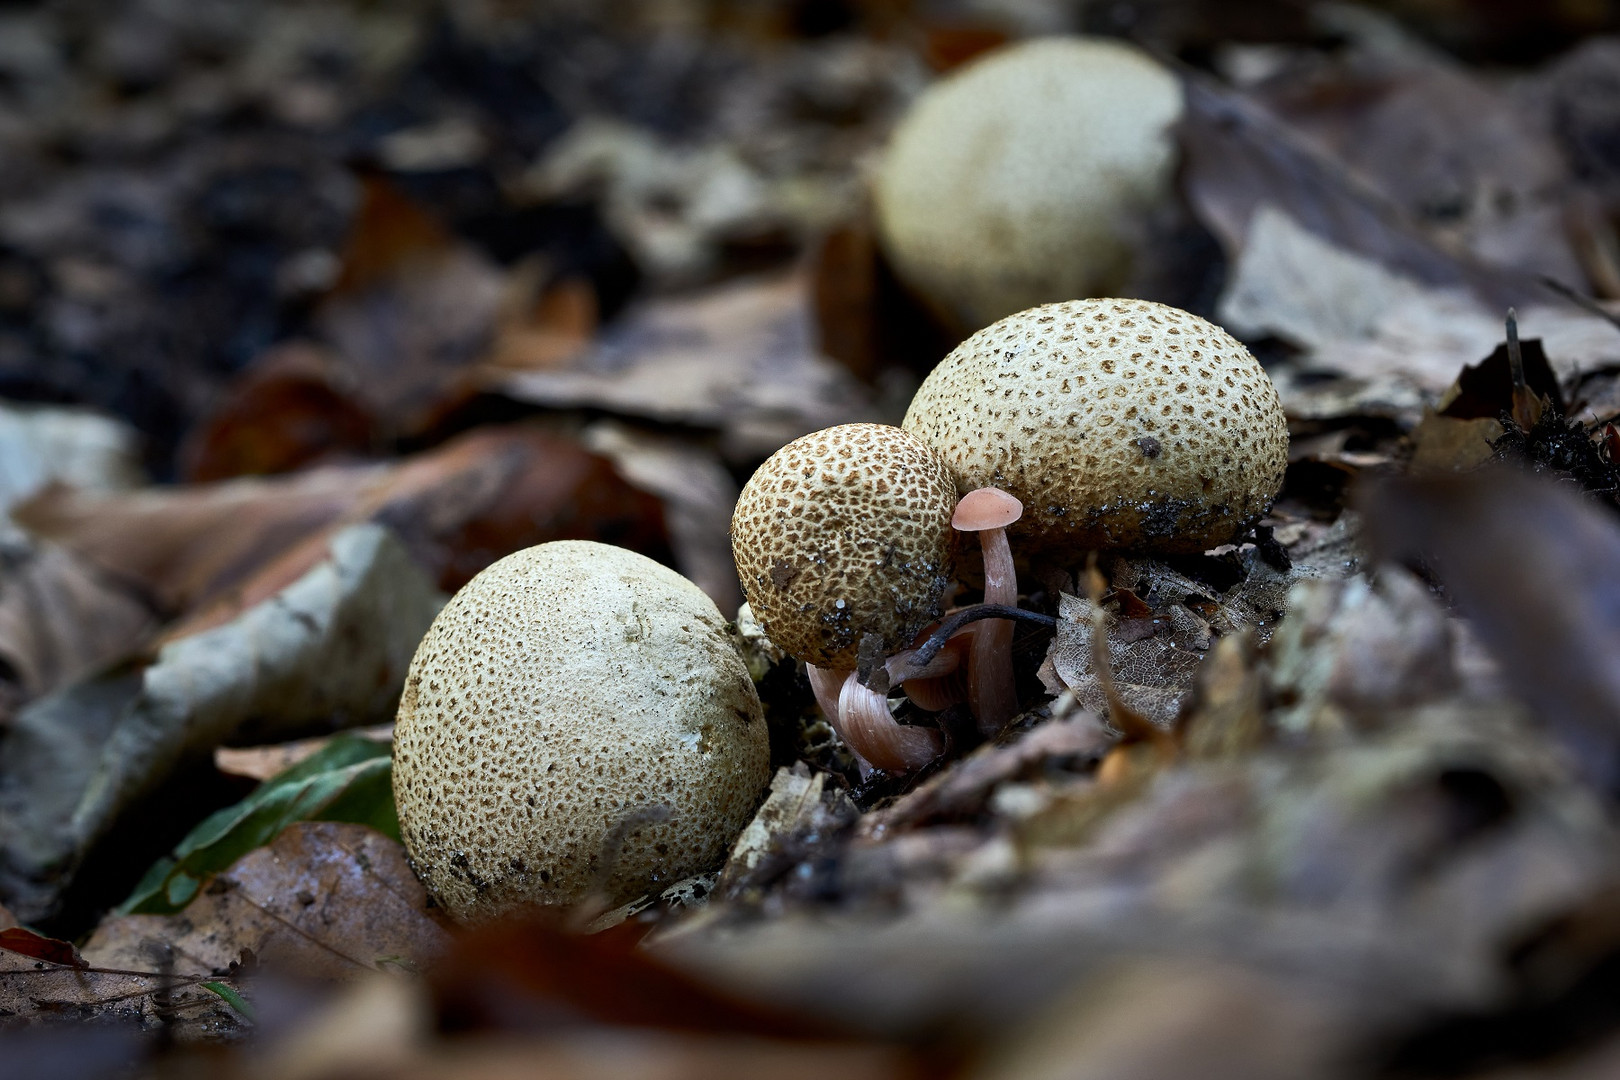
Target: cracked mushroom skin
<point x="1118" y="423"/>
<point x="843" y="533"/>
<point x="576" y="720"/>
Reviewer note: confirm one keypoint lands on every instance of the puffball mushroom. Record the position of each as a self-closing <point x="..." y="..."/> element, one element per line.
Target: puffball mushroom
<point x="843" y="533"/>
<point x="575" y="720"/>
<point x="1027" y="175"/>
<point x="841" y="536"/>
<point x="1117" y="423"/>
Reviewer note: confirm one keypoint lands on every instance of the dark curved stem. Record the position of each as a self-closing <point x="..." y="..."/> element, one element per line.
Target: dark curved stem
<point x="949" y="626"/>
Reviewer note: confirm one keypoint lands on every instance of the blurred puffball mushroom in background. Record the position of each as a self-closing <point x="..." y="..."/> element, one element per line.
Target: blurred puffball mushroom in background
<point x="1024" y="177"/>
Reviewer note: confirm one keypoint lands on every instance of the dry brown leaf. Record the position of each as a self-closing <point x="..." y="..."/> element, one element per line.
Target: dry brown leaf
<point x="1352" y="651"/>
<point x="1156" y="660"/>
<point x="1534" y="567"/>
<point x="150" y="991"/>
<point x="550" y="330"/>
<point x="325" y="900"/>
<point x="291" y="409"/>
<point x="1354" y="315"/>
<point x="1453" y="151"/>
<point x="1442" y="444"/>
<point x="698" y="494"/>
<point x="1228" y="715"/>
<point x="457" y="508"/>
<point x="262" y="762"/>
<point x="412" y="310"/>
<point x="61" y="618"/>
<point x="184" y="546"/>
<point x="1239" y="158"/>
<point x="329" y="650"/>
<point x="739" y="358"/>
<point x="77" y="448"/>
<point x="614" y="1054"/>
<point x="1153" y="1020"/>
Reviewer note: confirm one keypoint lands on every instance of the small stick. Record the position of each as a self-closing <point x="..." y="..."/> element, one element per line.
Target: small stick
<point x="1526" y="406"/>
<point x="1515" y="357"/>
<point x="1580" y="300"/>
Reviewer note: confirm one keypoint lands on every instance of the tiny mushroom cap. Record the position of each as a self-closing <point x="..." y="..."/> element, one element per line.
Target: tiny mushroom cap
<point x="576" y="721"/>
<point x="843" y="533"/>
<point x="1118" y="423"/>
<point x="986" y="508"/>
<point x="1027" y="176"/>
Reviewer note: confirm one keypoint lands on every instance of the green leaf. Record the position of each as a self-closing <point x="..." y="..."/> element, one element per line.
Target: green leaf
<point x="349" y="779"/>
<point x="231" y="998"/>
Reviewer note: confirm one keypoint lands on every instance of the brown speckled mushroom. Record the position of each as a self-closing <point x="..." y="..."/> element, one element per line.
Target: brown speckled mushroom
<point x="1117" y="423"/>
<point x="566" y="693"/>
<point x="991" y="693"/>
<point x="844" y="534"/>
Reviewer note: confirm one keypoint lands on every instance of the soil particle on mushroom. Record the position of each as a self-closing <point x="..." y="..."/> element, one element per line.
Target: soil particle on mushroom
<point x="571" y="699"/>
<point x="1059" y="405"/>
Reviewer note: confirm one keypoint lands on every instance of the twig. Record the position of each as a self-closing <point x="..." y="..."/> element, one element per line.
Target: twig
<point x="1580" y="300"/>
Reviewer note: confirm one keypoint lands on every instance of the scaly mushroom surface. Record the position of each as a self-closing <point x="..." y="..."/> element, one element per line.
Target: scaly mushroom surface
<point x="576" y="720"/>
<point x="1117" y="423"/>
<point x="845" y="535"/>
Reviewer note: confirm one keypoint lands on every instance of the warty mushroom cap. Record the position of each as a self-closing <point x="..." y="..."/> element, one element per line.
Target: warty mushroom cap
<point x="843" y="533"/>
<point x="1118" y="423"/>
<point x="568" y="689"/>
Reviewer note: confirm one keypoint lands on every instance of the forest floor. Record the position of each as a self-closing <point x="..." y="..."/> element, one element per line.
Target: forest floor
<point x="310" y="312"/>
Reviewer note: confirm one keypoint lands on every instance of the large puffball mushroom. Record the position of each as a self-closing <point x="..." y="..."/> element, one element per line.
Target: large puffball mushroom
<point x="1117" y="423"/>
<point x="575" y="720"/>
<point x="844" y="533"/>
<point x="1027" y="176"/>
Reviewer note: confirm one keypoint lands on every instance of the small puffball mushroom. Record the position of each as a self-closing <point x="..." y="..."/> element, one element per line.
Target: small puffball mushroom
<point x="843" y="533"/>
<point x="575" y="720"/>
<point x="1027" y="176"/>
<point x="842" y="536"/>
<point x="1117" y="423"/>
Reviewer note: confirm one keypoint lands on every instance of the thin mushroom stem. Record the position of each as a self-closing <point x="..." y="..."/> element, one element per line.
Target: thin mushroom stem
<point x="991" y="693"/>
<point x="871" y="731"/>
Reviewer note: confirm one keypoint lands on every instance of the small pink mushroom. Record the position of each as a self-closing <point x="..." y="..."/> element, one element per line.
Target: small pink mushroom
<point x="940" y="683"/>
<point x="991" y="693"/>
<point x="871" y="731"/>
<point x="861" y="717"/>
<point x="828" y="683"/>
